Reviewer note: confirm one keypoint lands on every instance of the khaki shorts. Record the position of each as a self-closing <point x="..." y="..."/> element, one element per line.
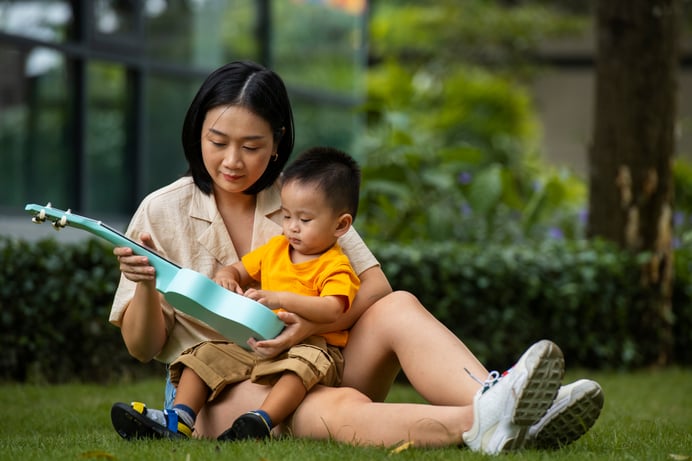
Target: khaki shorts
<point x="220" y="363"/>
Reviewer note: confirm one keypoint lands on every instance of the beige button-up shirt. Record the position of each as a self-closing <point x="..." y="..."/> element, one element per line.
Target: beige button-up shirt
<point x="187" y="229"/>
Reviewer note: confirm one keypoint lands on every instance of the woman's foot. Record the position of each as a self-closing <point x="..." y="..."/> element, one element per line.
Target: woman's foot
<point x="136" y="421"/>
<point x="576" y="408"/>
<point x="506" y="406"/>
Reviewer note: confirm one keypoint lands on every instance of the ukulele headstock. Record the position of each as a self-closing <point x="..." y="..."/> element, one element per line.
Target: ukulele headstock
<point x="57" y="217"/>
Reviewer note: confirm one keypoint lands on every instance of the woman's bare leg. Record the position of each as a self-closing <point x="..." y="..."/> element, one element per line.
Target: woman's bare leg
<point x="397" y="331"/>
<point x="346" y="415"/>
<point x="217" y="416"/>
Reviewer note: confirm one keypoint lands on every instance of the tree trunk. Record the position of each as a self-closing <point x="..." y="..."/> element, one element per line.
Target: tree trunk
<point x="630" y="177"/>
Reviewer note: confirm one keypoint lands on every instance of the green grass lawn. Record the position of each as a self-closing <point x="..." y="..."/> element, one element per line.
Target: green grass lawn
<point x="647" y="416"/>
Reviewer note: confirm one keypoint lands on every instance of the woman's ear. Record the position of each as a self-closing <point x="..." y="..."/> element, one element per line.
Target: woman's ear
<point x="343" y="224"/>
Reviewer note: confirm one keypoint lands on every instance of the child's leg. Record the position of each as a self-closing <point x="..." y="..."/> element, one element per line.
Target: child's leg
<point x="190" y="396"/>
<point x="137" y="421"/>
<point x="191" y="391"/>
<point x="285" y="396"/>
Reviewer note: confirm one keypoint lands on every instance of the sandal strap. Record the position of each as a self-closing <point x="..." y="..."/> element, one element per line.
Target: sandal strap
<point x="174" y="424"/>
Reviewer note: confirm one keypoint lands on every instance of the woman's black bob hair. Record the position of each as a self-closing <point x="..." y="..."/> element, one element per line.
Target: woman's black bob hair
<point x="253" y="87"/>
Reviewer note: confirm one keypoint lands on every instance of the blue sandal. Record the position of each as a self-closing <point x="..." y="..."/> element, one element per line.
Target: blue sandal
<point x="130" y="422"/>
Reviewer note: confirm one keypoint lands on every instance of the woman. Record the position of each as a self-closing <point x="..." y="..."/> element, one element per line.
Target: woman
<point x="237" y="136"/>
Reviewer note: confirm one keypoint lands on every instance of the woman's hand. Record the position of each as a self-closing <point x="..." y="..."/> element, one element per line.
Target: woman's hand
<point x="142" y="326"/>
<point x="296" y="330"/>
<point x="134" y="267"/>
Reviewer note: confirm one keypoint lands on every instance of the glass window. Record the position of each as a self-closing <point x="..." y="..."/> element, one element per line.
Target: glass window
<point x="167" y="101"/>
<point x="318" y="50"/>
<point x="47" y="20"/>
<point x="322" y="124"/>
<point x="34" y="129"/>
<point x="186" y="32"/>
<point x="115" y="18"/>
<point x="319" y="45"/>
<point x="93" y="93"/>
<point x="108" y="178"/>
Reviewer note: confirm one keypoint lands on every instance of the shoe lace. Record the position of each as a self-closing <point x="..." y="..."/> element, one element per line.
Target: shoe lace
<point x="492" y="379"/>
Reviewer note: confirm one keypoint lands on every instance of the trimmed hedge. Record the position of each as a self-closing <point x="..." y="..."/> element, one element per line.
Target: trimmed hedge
<point x="54" y="305"/>
<point x="55" y="299"/>
<point x="583" y="295"/>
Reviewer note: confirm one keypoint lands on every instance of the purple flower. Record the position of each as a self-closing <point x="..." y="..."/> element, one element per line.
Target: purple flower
<point x="678" y="218"/>
<point x="555" y="233"/>
<point x="465" y="177"/>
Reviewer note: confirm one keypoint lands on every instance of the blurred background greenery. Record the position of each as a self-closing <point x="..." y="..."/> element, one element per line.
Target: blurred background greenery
<point x="436" y="99"/>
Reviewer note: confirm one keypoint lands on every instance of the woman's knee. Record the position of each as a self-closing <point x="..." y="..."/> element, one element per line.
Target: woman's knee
<point x="325" y="408"/>
<point x="393" y="305"/>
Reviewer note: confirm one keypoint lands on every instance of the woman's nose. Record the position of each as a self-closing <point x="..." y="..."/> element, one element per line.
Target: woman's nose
<point x="232" y="157"/>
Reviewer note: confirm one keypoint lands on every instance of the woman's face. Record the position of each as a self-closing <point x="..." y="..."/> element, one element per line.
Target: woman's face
<point x="237" y="146"/>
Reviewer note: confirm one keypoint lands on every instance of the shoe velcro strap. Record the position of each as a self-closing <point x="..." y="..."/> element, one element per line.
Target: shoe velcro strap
<point x="184" y="429"/>
<point x="139" y="407"/>
<point x="171" y="420"/>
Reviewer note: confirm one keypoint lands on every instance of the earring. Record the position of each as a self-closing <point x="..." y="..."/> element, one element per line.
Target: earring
<point x="275" y="157"/>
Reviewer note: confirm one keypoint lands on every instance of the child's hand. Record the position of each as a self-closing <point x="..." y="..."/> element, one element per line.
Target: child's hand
<point x="266" y="297"/>
<point x="228" y="283"/>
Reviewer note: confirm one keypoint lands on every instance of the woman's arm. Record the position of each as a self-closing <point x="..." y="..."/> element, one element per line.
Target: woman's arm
<point x="143" y="326"/>
<point x="373" y="286"/>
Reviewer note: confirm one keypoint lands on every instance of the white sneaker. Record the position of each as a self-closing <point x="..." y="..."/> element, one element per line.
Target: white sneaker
<point x="576" y="408"/>
<point x="506" y="406"/>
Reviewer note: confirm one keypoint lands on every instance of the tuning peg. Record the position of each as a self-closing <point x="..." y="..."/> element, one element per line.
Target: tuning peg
<point x="62" y="222"/>
<point x="39" y="217"/>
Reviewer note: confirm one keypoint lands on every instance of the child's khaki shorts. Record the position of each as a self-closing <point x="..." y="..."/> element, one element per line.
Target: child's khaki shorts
<point x="220" y="363"/>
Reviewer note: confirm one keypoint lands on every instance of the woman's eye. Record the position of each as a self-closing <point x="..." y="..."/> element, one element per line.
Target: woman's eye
<point x="250" y="148"/>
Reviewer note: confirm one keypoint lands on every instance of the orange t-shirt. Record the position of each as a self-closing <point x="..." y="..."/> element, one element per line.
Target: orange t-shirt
<point x="329" y="275"/>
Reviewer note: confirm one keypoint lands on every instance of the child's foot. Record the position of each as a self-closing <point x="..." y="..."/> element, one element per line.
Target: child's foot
<point x="251" y="425"/>
<point x="136" y="421"/>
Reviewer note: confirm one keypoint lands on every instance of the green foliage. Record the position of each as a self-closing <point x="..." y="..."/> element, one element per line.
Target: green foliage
<point x="498" y="298"/>
<point x="451" y="147"/>
<point x="55" y="300"/>
<point x="682" y="180"/>
<point x="478" y="31"/>
<point x="54" y="306"/>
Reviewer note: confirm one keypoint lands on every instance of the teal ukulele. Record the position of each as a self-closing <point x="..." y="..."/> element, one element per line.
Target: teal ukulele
<point x="234" y="316"/>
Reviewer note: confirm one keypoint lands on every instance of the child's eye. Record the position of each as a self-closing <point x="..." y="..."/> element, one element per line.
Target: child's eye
<point x="305" y="220"/>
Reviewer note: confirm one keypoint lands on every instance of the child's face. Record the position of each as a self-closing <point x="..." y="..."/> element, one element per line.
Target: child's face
<point x="309" y="223"/>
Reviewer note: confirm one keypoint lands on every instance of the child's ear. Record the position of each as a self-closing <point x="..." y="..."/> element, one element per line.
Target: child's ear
<point x="343" y="224"/>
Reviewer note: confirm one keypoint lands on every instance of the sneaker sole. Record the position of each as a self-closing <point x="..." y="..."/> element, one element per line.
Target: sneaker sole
<point x="574" y="420"/>
<point x="131" y="425"/>
<point x="547" y="365"/>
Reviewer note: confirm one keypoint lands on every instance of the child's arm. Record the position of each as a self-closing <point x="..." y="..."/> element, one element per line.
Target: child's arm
<point x="233" y="277"/>
<point x="319" y="309"/>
